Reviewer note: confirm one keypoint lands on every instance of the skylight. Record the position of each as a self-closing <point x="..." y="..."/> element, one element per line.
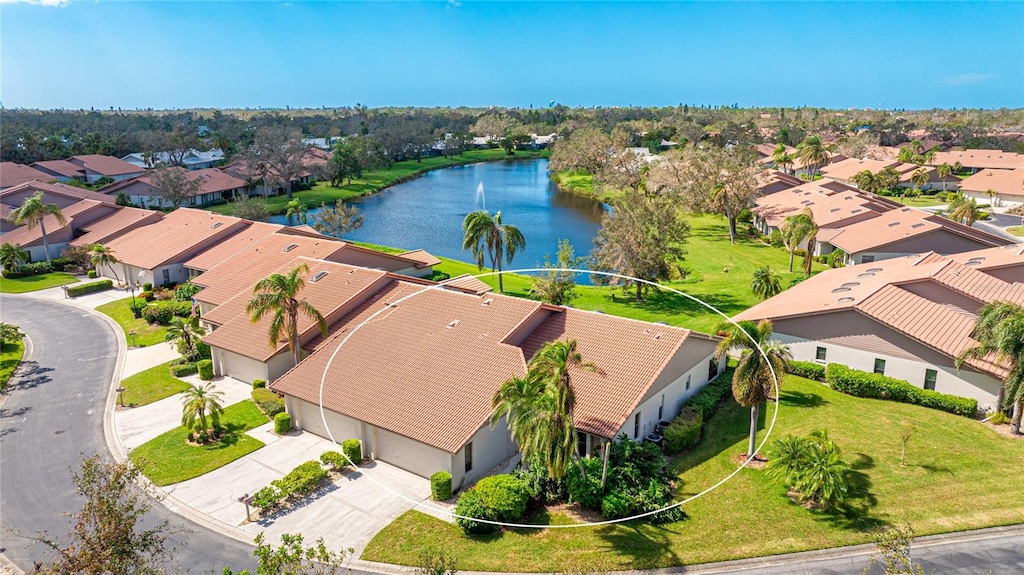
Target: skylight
<point x="319" y="276"/>
<point x="289" y="248"/>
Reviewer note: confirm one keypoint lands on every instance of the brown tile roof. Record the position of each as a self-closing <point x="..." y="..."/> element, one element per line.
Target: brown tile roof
<point x="59" y="189"/>
<point x="104" y="165"/>
<point x="1004" y="182"/>
<point x="117" y="223"/>
<point x="846" y="169"/>
<point x="899" y="224"/>
<point x="254" y="232"/>
<point x="772" y="181"/>
<point x="13" y="174"/>
<point x="29" y="237"/>
<point x="980" y="159"/>
<point x="468" y="284"/>
<point x="61" y="167"/>
<point x="422" y="258"/>
<point x="173" y="239"/>
<point x="1011" y="255"/>
<point x="830" y="207"/>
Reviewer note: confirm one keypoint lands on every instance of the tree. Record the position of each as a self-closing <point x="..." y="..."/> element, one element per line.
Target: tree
<point x="812" y="467"/>
<point x="795" y="230"/>
<point x="814" y="153"/>
<point x="187" y="334"/>
<point x="338" y="220"/>
<point x="766" y="282"/>
<point x="100" y="256"/>
<point x="297" y="210"/>
<point x="174" y="186"/>
<point x="586" y="150"/>
<point x="489" y="237"/>
<point x="753" y="381"/>
<point x="277" y="295"/>
<point x="197" y="402"/>
<point x="107" y="535"/>
<point x="558" y="287"/>
<point x="10" y="333"/>
<point x="642" y="237"/>
<point x="122" y="199"/>
<point x="33" y="212"/>
<point x="250" y="208"/>
<point x="12" y="256"/>
<point x="999" y="331"/>
<point x="280" y="152"/>
<point x="866" y="181"/>
<point x="944" y="170"/>
<point x="293" y="558"/>
<point x="964" y="210"/>
<point x="906" y="433"/>
<point x="893" y="544"/>
<point x="919" y="179"/>
<point x="782" y="157"/>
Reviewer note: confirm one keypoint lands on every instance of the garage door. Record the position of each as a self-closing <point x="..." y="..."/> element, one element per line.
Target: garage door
<point x="240" y="367"/>
<point x="310" y="420"/>
<point x="408" y="454"/>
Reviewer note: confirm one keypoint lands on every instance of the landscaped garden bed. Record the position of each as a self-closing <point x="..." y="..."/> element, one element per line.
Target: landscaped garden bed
<point x="146" y="334"/>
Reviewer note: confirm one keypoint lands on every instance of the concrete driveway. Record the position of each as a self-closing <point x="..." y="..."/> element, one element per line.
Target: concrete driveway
<point x="346" y="513"/>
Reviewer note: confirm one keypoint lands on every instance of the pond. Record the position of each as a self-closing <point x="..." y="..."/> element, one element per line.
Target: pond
<point x="427" y="212"/>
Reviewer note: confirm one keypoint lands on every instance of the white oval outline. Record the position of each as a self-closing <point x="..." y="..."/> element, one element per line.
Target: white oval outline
<point x="442" y="285"/>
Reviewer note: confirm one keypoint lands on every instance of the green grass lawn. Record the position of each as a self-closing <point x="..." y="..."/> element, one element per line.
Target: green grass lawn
<point x="168" y="459"/>
<point x="958" y="476"/>
<point x="34" y="283"/>
<point x="376" y="180"/>
<point x="151" y="385"/>
<point x="145" y="334"/>
<point x="1016" y="231"/>
<point x="710" y="255"/>
<point x="921" y="201"/>
<point x="11" y="353"/>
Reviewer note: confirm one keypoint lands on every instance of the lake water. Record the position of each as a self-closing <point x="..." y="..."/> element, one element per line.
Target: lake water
<point x="427" y="212"/>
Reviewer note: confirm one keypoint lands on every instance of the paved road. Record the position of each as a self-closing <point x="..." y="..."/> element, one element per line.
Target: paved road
<point x="53" y="414"/>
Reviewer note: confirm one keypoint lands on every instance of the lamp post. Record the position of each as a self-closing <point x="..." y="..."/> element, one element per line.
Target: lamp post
<point x="120" y="396"/>
<point x="246" y="499"/>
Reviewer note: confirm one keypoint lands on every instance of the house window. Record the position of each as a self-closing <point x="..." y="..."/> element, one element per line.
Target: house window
<point x="469" y="457"/>
<point x="687" y="382"/>
<point x="867" y="259"/>
<point x="167" y="276"/>
<point x="636" y="426"/>
<point x="712" y="368"/>
<point x="880" y="366"/>
<point x="661" y="408"/>
<point x="819" y="354"/>
<point x="581" y="443"/>
<point x="930" y="375"/>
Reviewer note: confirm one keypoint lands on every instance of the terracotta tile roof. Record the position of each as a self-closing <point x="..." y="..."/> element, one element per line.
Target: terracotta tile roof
<point x="254" y="232"/>
<point x="1004" y="182"/>
<point x="13" y="174"/>
<point x="104" y="165"/>
<point x="173" y="239"/>
<point x="831" y="208"/>
<point x="980" y="159"/>
<point x="900" y="224"/>
<point x="468" y="284"/>
<point x="59" y="189"/>
<point x="61" y="167"/>
<point x="1011" y="255"/>
<point x="30" y="237"/>
<point x="123" y="220"/>
<point x="422" y="258"/>
<point x="846" y="169"/>
<point x="5" y="211"/>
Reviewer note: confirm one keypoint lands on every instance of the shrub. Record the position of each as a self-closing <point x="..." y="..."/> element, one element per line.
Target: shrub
<point x="353" y="449"/>
<point x="775" y="239"/>
<point x="75" y="291"/>
<point x="504" y="496"/>
<point x="873" y="385"/>
<point x="147" y="287"/>
<point x="258" y="383"/>
<point x="542" y="487"/>
<point x="269" y="402"/>
<point x="154" y="313"/>
<point x="705" y="401"/>
<point x="267" y="497"/>
<point x="807" y="369"/>
<point x="586" y="493"/>
<point x="941" y="196"/>
<point x="615" y="505"/>
<point x="205" y="368"/>
<point x="470" y="504"/>
<point x="441" y="486"/>
<point x="799" y="252"/>
<point x="137" y="308"/>
<point x="282" y="423"/>
<point x="998" y="417"/>
<point x="146" y="295"/>
<point x="303" y="480"/>
<point x="745" y="216"/>
<point x="183" y="369"/>
<point x="92" y="274"/>
<point x="683" y="432"/>
<point x="811" y="466"/>
<point x="186" y="291"/>
<point x="334" y="459"/>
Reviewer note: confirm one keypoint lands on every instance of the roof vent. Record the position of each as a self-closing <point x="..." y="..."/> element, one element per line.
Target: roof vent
<point x="657" y="335"/>
<point x="874" y="270"/>
<point x="850" y="284"/>
<point x="452" y="323"/>
<point x="319" y="276"/>
<point x="844" y="300"/>
<point x="917" y="225"/>
<point x="866" y="275"/>
<point x="857" y="211"/>
<point x="974" y="261"/>
<point x="840" y="289"/>
<point x="906" y="209"/>
<point x="834" y="210"/>
<point x="892" y="224"/>
<point x="289" y="248"/>
<point x="487" y="301"/>
<point x="216" y="225"/>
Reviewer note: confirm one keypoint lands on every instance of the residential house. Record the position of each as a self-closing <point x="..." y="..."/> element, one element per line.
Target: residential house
<point x="977" y="160"/>
<point x="58" y="234"/>
<point x="89" y="168"/>
<point x="1005" y="262"/>
<point x="13" y="174"/>
<point x="60" y="194"/>
<point x="844" y="171"/>
<point x="217" y="187"/>
<point x="192" y="159"/>
<point x="1000" y="188"/>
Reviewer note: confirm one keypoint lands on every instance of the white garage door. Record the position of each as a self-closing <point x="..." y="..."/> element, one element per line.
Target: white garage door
<point x="309" y="416"/>
<point x="240" y="367"/>
<point x="408" y="454"/>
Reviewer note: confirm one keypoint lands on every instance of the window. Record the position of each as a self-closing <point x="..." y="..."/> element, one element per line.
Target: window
<point x="581" y="442"/>
<point x="819" y="354"/>
<point x="712" y="368"/>
<point x="880" y="366"/>
<point x="687" y="382"/>
<point x="661" y="408"/>
<point x="930" y="375"/>
<point x="167" y="276"/>
<point x="469" y="457"/>
<point x="867" y="259"/>
<point x="636" y="426"/>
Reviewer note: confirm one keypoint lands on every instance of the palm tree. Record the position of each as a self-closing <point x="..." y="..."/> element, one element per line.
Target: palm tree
<point x="866" y="181"/>
<point x="489" y="236"/>
<point x="33" y="212"/>
<point x="277" y="295"/>
<point x="766" y="282"/>
<point x="944" y="170"/>
<point x="186" y="333"/>
<point x="795" y="230"/>
<point x="920" y="178"/>
<point x="100" y="256"/>
<point x="298" y="210"/>
<point x="12" y="256"/>
<point x="999" y="331"/>
<point x="198" y="402"/>
<point x="814" y="153"/>
<point x="965" y="211"/>
<point x="782" y="157"/>
<point x="753" y="382"/>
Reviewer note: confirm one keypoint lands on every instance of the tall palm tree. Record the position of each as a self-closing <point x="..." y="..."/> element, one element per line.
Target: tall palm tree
<point x="795" y="230"/>
<point x="944" y="170"/>
<point x="782" y="157"/>
<point x="766" y="282"/>
<point x="752" y="382"/>
<point x="276" y="295"/>
<point x="919" y="178"/>
<point x="198" y="402"/>
<point x="100" y="256"/>
<point x="814" y="152"/>
<point x="297" y="210"/>
<point x="186" y="333"/>
<point x="489" y="236"/>
<point x="965" y="212"/>
<point x="866" y="181"/>
<point x="12" y="255"/>
<point x="999" y="331"/>
<point x="32" y="213"/>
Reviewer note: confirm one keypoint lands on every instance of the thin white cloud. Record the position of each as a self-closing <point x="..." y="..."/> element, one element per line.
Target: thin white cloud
<point x="966" y="79"/>
<point x="454" y="4"/>
<point x="55" y="3"/>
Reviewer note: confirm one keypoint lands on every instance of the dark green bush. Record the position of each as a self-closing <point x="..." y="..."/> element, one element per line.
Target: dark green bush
<point x="303" y="480"/>
<point x="808" y="369"/>
<point x="353" y="448"/>
<point x="155" y="313"/>
<point x="684" y="431"/>
<point x="494" y="498"/>
<point x="27" y="270"/>
<point x="586" y="493"/>
<point x="542" y="487"/>
<point x="282" y="423"/>
<point x="267" y="497"/>
<point x="147" y="287"/>
<point x="470" y="504"/>
<point x="874" y="385"/>
<point x="186" y="291"/>
<point x="205" y="368"/>
<point x="441" y="486"/>
<point x="269" y="402"/>
<point x="183" y="369"/>
<point x="706" y="401"/>
<point x="333" y="458"/>
<point x="258" y="383"/>
<point x="92" y="274"/>
<point x="616" y="505"/>
<point x="77" y="290"/>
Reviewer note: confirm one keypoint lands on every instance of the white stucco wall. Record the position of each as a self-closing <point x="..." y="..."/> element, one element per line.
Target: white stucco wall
<point x="490" y="447"/>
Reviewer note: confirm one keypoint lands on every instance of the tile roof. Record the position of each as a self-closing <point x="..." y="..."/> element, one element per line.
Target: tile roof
<point x="104" y="165"/>
<point x="29" y="237"/>
<point x="830" y="207"/>
<point x="980" y="159"/>
<point x="59" y="189"/>
<point x="13" y="174"/>
<point x="422" y="258"/>
<point x="468" y="284"/>
<point x="61" y="167"/>
<point x="173" y="239"/>
<point x="900" y="224"/>
<point x="1011" y="255"/>
<point x="117" y="223"/>
<point x="846" y="169"/>
<point x="1004" y="182"/>
<point x="254" y="232"/>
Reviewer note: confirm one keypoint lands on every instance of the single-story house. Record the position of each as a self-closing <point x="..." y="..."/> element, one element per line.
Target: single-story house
<point x="58" y="235"/>
<point x="192" y="159"/>
<point x="13" y="174"/>
<point x="89" y="168"/>
<point x="122" y="221"/>
<point x="772" y="181"/>
<point x="1005" y="262"/>
<point x="60" y="194"/>
<point x="1000" y="188"/>
<point x="976" y="160"/>
<point x="217" y="186"/>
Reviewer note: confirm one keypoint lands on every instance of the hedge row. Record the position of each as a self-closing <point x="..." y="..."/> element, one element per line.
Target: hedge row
<point x="163" y="312"/>
<point x="303" y="480"/>
<point x="874" y="385"/>
<point x="75" y="291"/>
<point x="684" y="431"/>
<point x="269" y="402"/>
<point x="26" y="270"/>
<point x="334" y="460"/>
<point x="807" y="369"/>
<point x="183" y="369"/>
<point x="705" y="401"/>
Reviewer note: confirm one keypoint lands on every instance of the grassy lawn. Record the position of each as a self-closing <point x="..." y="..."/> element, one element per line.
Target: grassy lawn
<point x="151" y="385"/>
<point x="10" y="357"/>
<point x="710" y="255"/>
<point x="922" y="201"/>
<point x="34" y="283"/>
<point x="1016" y="231"/>
<point x="376" y="180"/>
<point x="145" y="334"/>
<point x="168" y="459"/>
<point x="958" y="475"/>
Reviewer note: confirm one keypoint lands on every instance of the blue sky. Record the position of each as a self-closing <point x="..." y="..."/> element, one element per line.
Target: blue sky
<point x="311" y="54"/>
